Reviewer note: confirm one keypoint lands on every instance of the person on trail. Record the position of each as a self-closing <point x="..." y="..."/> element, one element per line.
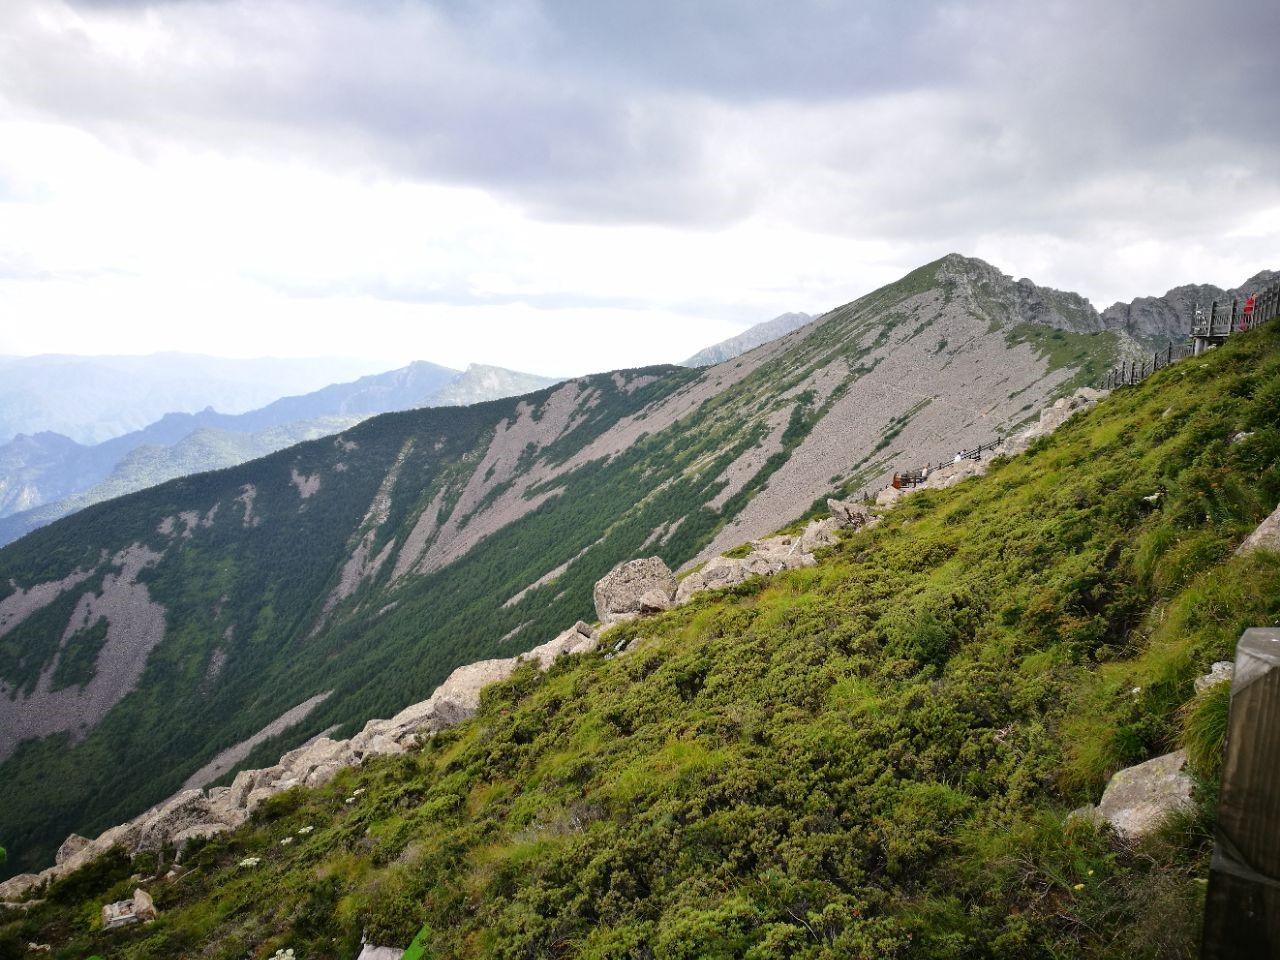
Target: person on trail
<point x="1247" y="315"/>
<point x="959" y="456"/>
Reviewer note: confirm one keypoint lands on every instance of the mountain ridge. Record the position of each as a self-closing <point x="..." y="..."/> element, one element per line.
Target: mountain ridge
<point x="749" y="339"/>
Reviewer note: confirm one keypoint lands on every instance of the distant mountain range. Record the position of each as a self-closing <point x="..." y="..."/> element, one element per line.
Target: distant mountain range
<point x="749" y="339"/>
<point x="47" y="475"/>
<point x="92" y="399"/>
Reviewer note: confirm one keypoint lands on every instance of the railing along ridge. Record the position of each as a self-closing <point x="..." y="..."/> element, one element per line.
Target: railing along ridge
<point x="1206" y="332"/>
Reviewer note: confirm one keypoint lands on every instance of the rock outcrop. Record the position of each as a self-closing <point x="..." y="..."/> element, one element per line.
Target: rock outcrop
<point x="140" y="909"/>
<point x="70" y="847"/>
<point x="1265" y="537"/>
<point x="771" y="555"/>
<point x="850" y="515"/>
<point x="1138" y="799"/>
<point x="634" y="587"/>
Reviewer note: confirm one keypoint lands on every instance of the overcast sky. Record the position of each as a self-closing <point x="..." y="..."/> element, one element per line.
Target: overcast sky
<point x="581" y="185"/>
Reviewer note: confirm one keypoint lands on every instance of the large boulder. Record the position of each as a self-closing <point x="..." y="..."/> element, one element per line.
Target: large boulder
<point x="18" y="885"/>
<point x="158" y="827"/>
<point x="722" y="572"/>
<point x="1265" y="537"/>
<point x="1138" y="799"/>
<point x="632" y="588"/>
<point x="818" y="534"/>
<point x="70" y="847"/>
<point x="580" y="638"/>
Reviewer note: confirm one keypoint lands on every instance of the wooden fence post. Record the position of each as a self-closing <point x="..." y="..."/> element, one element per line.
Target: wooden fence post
<point x="1242" y="907"/>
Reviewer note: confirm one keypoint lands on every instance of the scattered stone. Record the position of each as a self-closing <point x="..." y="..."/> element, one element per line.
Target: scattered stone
<point x="139" y="909"/>
<point x="1266" y="537"/>
<point x="632" y="588"/>
<point x="1242" y="436"/>
<point x="1138" y="799"/>
<point x="1220" y="672"/>
<point x="849" y="514"/>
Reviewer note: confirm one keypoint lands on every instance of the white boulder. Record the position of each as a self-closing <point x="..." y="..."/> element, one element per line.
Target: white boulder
<point x="632" y="588"/>
<point x="1138" y="799"/>
<point x="1265" y="537"/>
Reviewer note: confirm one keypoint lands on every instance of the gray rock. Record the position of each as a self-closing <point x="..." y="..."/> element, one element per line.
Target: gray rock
<point x="1220" y="672"/>
<point x="17" y="885"/>
<point x="722" y="572"/>
<point x="70" y="847"/>
<point x="139" y="909"/>
<point x="1265" y="537"/>
<point x="199" y="832"/>
<point x="818" y="534"/>
<point x="632" y="588"/>
<point x="849" y="514"/>
<point x="189" y="808"/>
<point x="1138" y="799"/>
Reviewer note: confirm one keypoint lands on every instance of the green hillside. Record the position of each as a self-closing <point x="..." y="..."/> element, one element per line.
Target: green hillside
<point x="873" y="757"/>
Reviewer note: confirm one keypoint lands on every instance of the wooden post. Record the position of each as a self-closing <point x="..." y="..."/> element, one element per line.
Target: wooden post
<point x="1242" y="907"/>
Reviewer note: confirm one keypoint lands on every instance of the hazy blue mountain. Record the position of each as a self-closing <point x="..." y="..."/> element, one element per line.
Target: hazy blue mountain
<point x="47" y="476"/>
<point x="92" y="399"/>
<point x="749" y="339"/>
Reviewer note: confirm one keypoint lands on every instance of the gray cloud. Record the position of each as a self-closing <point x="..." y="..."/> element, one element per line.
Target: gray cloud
<point x="925" y="122"/>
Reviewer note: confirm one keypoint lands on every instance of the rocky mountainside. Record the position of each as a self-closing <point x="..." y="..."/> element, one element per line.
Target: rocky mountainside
<point x="749" y="339"/>
<point x="354" y="573"/>
<point x="958" y="725"/>
<point x="47" y="476"/>
<point x="92" y="399"/>
<point x="1165" y="319"/>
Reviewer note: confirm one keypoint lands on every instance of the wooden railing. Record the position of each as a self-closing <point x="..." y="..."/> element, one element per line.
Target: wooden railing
<point x="913" y="478"/>
<point x="1207" y="331"/>
<point x="1242" y="905"/>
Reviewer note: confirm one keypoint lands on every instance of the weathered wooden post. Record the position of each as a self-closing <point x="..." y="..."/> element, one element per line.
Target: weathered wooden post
<point x="1242" y="908"/>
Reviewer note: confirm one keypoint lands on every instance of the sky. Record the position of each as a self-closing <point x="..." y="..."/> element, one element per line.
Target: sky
<point x="563" y="187"/>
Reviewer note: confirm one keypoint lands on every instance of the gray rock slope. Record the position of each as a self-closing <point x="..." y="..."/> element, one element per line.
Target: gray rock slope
<point x="1164" y="319"/>
<point x="749" y="339"/>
